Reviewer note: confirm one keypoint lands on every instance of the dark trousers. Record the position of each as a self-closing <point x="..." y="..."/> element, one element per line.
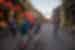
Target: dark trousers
<point x="55" y="30"/>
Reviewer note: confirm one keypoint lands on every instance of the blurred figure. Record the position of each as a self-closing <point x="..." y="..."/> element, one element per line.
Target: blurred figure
<point x="66" y="33"/>
<point x="4" y="31"/>
<point x="8" y="27"/>
<point x="56" y="20"/>
<point x="12" y="23"/>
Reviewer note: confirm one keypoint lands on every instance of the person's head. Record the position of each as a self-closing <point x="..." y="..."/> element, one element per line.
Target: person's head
<point x="11" y="16"/>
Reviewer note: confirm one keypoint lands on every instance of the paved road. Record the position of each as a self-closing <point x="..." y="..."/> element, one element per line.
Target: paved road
<point x="47" y="36"/>
<point x="53" y="41"/>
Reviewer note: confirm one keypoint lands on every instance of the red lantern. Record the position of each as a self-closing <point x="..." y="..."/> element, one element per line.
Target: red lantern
<point x="17" y="8"/>
<point x="2" y="1"/>
<point x="9" y="5"/>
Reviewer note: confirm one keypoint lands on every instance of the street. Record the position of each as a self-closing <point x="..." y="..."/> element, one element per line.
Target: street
<point x="50" y="40"/>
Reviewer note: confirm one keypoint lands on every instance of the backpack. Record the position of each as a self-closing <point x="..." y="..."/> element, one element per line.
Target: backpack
<point x="25" y="27"/>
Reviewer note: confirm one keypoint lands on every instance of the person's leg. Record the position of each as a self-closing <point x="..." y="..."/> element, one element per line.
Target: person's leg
<point x="37" y="29"/>
<point x="56" y="29"/>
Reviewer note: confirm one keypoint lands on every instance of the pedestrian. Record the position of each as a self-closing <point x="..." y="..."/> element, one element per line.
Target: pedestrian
<point x="4" y="31"/>
<point x="12" y="23"/>
<point x="56" y="20"/>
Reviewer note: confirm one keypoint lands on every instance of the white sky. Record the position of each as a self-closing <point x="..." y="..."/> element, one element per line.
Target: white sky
<point x="46" y="6"/>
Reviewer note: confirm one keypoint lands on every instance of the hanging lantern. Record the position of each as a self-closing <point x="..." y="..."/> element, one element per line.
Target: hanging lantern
<point x="9" y="5"/>
<point x="2" y="1"/>
<point x="17" y="8"/>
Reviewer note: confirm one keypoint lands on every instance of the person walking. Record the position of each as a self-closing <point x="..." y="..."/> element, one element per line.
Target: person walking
<point x="56" y="20"/>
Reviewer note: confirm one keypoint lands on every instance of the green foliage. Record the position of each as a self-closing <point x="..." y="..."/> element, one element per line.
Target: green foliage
<point x="17" y="1"/>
